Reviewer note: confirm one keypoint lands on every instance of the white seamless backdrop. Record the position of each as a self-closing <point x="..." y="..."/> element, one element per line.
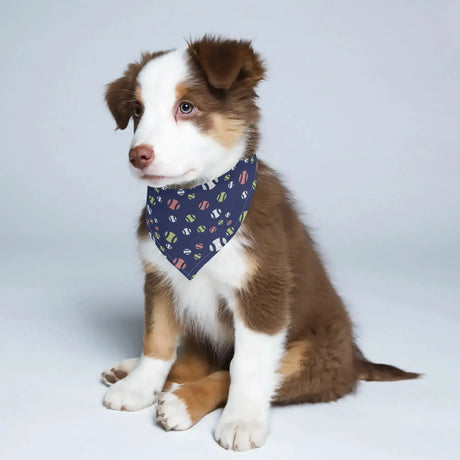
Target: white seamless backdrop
<point x="360" y="115"/>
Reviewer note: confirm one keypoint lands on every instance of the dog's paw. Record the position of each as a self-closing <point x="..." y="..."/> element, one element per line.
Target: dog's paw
<point x="172" y="412"/>
<point x="240" y="434"/>
<point x="129" y="395"/>
<point x="119" y="371"/>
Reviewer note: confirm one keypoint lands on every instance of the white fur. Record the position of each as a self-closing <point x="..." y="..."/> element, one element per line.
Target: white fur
<point x="196" y="300"/>
<point x="181" y="152"/>
<point x="244" y="421"/>
<point x="172" y="412"/>
<point x="140" y="388"/>
<point x="126" y="365"/>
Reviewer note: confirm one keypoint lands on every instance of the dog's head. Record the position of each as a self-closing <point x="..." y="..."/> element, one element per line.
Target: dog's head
<point x="193" y="110"/>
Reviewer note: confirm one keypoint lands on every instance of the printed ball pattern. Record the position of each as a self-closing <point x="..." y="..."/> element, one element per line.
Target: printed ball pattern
<point x="190" y="226"/>
<point x="203" y="205"/>
<point x="179" y="263"/>
<point x="173" y="204"/>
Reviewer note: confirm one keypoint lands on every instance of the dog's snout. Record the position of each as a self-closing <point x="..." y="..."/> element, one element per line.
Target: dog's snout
<point x="141" y="156"/>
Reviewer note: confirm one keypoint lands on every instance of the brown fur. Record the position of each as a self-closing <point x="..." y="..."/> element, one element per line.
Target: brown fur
<point x="205" y="395"/>
<point x="161" y="329"/>
<point x="227" y="63"/>
<point x="287" y="286"/>
<point x="122" y="96"/>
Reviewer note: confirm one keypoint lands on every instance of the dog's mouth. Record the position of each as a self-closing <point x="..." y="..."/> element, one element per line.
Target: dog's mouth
<point x="159" y="180"/>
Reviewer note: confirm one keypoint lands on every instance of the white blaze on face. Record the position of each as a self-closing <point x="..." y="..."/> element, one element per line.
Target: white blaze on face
<point x="182" y="153"/>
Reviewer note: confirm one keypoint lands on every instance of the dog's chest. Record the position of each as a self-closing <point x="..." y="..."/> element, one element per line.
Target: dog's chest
<point x="199" y="302"/>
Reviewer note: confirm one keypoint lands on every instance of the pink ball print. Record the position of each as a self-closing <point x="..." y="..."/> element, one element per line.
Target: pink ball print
<point x="204" y="205"/>
<point x="173" y="204"/>
<point x="243" y="178"/>
<point x="179" y="263"/>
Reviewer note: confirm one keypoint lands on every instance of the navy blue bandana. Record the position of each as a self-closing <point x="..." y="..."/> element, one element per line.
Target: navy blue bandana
<point x="191" y="225"/>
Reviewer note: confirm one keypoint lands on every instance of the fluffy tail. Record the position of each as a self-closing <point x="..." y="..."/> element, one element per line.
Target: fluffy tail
<point x="379" y="372"/>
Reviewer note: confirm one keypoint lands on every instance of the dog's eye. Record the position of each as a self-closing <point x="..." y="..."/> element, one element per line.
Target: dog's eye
<point x="186" y="108"/>
<point x="137" y="111"/>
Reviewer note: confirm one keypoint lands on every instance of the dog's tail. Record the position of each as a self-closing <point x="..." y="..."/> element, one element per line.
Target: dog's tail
<point x="372" y="372"/>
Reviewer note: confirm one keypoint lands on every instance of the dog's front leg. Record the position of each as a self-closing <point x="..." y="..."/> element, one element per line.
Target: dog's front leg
<point x="245" y="420"/>
<point x="142" y="385"/>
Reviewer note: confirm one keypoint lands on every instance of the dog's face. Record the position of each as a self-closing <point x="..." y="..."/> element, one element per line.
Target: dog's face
<point x="193" y="110"/>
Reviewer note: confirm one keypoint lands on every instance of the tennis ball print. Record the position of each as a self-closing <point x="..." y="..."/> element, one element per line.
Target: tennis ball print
<point x="173" y="203"/>
<point x="201" y="228"/>
<point x="217" y="244"/>
<point x="216" y="213"/>
<point x="243" y="177"/>
<point x="179" y="263"/>
<point x="221" y="197"/>
<point x="204" y="205"/>
<point x="171" y="237"/>
<point x="190" y="218"/>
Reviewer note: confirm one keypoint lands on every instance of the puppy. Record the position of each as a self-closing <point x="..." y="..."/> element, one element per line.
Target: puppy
<point x="257" y="322"/>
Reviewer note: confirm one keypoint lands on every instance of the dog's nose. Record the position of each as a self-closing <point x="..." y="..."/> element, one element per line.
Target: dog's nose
<point x="141" y="156"/>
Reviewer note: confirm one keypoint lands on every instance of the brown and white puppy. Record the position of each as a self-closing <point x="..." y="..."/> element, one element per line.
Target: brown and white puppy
<point x="260" y="323"/>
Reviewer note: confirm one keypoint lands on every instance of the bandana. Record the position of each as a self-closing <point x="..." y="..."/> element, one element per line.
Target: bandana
<point x="190" y="226"/>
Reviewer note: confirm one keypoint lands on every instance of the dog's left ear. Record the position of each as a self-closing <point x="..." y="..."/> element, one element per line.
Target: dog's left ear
<point x="228" y="63"/>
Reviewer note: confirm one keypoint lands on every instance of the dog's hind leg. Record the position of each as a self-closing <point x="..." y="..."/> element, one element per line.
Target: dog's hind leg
<point x="187" y="403"/>
<point x="193" y="363"/>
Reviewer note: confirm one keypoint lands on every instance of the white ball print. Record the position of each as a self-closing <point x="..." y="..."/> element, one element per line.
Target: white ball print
<point x="149" y="209"/>
<point x="187" y="251"/>
<point x="216" y="213"/>
<point x="172" y="219"/>
<point x="168" y="246"/>
<point x="217" y="244"/>
<point x="180" y="192"/>
<point x="159" y="199"/>
<point x="209" y="185"/>
<point x="227" y="214"/>
<point x="244" y="195"/>
<point x="155" y="220"/>
<point x="186" y="231"/>
<point x="230" y="184"/>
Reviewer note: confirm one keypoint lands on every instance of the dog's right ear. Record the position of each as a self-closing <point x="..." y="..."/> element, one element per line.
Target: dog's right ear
<point x="120" y="94"/>
<point x="117" y="96"/>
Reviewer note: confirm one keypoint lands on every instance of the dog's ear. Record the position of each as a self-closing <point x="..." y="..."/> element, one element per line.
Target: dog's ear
<point x="117" y="96"/>
<point x="228" y="63"/>
<point x="120" y="94"/>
